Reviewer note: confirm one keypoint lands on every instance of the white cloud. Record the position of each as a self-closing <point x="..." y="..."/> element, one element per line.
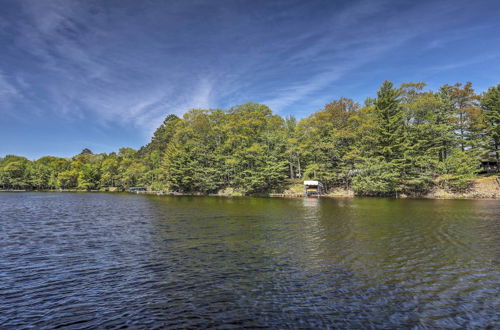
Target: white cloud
<point x="199" y="97"/>
<point x="134" y="67"/>
<point x="7" y="89"/>
<point x="8" y="94"/>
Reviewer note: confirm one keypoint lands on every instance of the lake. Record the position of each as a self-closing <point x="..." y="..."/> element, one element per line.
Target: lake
<point x="81" y="260"/>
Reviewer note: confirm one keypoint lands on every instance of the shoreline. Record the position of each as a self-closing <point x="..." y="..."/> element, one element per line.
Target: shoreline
<point x="486" y="188"/>
<point x="430" y="196"/>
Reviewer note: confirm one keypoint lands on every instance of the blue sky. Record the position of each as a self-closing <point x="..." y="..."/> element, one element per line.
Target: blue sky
<point x="104" y="74"/>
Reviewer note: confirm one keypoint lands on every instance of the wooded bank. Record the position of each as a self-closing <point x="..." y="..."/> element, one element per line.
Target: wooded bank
<point x="405" y="140"/>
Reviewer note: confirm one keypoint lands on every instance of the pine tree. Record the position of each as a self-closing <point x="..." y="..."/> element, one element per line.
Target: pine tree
<point x="468" y="119"/>
<point x="490" y="102"/>
<point x="383" y="164"/>
<point x="390" y="131"/>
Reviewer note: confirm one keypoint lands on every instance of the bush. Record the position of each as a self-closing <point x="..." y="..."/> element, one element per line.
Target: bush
<point x="458" y="171"/>
<point x="376" y="178"/>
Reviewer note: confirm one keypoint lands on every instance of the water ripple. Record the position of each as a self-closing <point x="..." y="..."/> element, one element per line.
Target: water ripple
<point x="117" y="260"/>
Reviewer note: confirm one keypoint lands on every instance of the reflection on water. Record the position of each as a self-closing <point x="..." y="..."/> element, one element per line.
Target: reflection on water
<point x="112" y="260"/>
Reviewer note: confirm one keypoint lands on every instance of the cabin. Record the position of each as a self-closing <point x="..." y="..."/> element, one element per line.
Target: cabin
<point x="488" y="166"/>
<point x="312" y="188"/>
<point x="137" y="189"/>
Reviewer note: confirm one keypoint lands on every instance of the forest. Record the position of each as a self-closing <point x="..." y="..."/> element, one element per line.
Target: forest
<point x="405" y="139"/>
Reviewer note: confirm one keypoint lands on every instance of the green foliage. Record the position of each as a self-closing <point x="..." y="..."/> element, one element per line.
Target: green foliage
<point x="243" y="148"/>
<point x="326" y="142"/>
<point x="468" y="120"/>
<point x="162" y="136"/>
<point x="381" y="171"/>
<point x="68" y="179"/>
<point x="14" y="172"/>
<point x="427" y="139"/>
<point x="457" y="171"/>
<point x="390" y="125"/>
<point x="405" y="140"/>
<point x="89" y="176"/>
<point x="490" y="102"/>
<point x="376" y="177"/>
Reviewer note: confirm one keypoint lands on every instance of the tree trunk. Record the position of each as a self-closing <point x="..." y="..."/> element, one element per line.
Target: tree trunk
<point x="462" y="132"/>
<point x="497" y="156"/>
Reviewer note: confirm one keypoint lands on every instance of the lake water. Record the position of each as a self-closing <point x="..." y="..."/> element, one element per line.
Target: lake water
<point x="81" y="260"/>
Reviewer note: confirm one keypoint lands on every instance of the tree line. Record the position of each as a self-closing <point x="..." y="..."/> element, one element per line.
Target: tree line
<point x="406" y="139"/>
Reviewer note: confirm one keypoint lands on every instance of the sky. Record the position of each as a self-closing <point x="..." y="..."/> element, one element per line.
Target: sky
<point x="104" y="74"/>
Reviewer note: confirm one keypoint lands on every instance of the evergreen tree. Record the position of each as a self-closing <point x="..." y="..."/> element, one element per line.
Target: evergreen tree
<point x="427" y="136"/>
<point x="387" y="145"/>
<point x="328" y="138"/>
<point x="468" y="118"/>
<point x="406" y="139"/>
<point x="490" y="103"/>
<point x="391" y="130"/>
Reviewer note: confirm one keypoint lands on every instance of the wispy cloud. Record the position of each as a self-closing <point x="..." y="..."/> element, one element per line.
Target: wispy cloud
<point x="7" y="90"/>
<point x="460" y="64"/>
<point x="200" y="97"/>
<point x="85" y="76"/>
<point x="348" y="46"/>
<point x="100" y="64"/>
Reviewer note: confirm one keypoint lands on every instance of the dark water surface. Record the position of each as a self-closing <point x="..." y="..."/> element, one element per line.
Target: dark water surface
<point x="113" y="260"/>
